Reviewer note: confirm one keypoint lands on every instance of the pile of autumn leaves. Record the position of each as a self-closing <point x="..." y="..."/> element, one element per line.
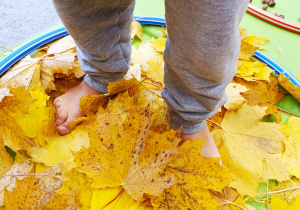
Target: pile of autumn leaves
<point x="124" y="148"/>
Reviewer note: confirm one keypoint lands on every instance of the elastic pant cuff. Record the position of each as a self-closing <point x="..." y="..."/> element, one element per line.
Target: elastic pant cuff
<point x="95" y="84"/>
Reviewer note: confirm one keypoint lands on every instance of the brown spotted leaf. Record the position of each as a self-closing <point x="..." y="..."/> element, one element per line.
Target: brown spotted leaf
<point x="195" y="175"/>
<point x="119" y="154"/>
<point x="27" y="194"/>
<point x="264" y="94"/>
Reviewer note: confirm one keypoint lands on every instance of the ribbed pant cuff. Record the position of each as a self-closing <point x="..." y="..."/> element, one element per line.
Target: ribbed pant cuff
<point x="96" y="85"/>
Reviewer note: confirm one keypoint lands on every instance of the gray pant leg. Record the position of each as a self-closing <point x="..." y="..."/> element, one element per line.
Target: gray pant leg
<point x="200" y="58"/>
<point x="101" y="29"/>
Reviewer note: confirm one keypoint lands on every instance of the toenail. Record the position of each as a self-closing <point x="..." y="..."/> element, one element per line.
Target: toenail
<point x="65" y="128"/>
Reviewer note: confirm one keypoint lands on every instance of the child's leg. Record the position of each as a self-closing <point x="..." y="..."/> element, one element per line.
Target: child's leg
<point x="200" y="60"/>
<point x="101" y="29"/>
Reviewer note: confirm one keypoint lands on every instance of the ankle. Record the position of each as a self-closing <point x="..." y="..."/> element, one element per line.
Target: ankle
<point x="202" y="134"/>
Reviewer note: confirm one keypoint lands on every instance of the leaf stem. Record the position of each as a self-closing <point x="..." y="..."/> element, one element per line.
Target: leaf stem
<point x="281" y="191"/>
<point x="30" y="142"/>
<point x="214" y="123"/>
<point x="286" y="112"/>
<point x="132" y="89"/>
<point x="159" y="87"/>
<point x="151" y="91"/>
<point x="119" y="194"/>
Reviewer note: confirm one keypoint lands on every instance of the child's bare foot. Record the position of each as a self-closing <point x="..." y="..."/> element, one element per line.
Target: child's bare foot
<point x="209" y="148"/>
<point x="67" y="106"/>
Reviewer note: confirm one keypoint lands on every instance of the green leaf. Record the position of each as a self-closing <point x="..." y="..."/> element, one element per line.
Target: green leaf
<point x="257" y="205"/>
<point x="273" y="182"/>
<point x="11" y="153"/>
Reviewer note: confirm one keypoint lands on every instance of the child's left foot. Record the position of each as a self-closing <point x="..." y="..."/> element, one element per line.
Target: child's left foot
<point x="209" y="148"/>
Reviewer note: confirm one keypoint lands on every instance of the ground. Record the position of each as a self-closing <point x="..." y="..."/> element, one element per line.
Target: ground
<point x="22" y="19"/>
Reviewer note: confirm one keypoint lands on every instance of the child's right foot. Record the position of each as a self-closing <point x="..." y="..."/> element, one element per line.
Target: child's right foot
<point x="67" y="106"/>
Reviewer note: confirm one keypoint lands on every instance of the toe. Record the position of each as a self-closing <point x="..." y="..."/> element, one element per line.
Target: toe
<point x="60" y="116"/>
<point x="64" y="128"/>
<point x="56" y="103"/>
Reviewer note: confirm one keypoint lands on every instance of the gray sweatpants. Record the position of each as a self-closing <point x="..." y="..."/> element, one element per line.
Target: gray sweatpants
<point x="200" y="58"/>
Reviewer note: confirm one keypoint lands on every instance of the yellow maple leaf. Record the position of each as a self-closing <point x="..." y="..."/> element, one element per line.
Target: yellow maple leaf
<point x="65" y="201"/>
<point x="247" y="50"/>
<point x="285" y="187"/>
<point x="246" y="147"/>
<point x="159" y="44"/>
<point x="252" y="71"/>
<point x="4" y="92"/>
<point x="60" y="148"/>
<point x="62" y="86"/>
<point x="11" y="135"/>
<point x="291" y="157"/>
<point x="59" y="65"/>
<point x="250" y="43"/>
<point x="62" y="45"/>
<point x="21" y="74"/>
<point x="121" y="106"/>
<point x="277" y="203"/>
<point x="264" y="94"/>
<point x="101" y="197"/>
<point x="214" y="121"/>
<point x="143" y="54"/>
<point x="155" y="71"/>
<point x="90" y="104"/>
<point x="148" y="96"/>
<point x="120" y="86"/>
<point x="84" y="192"/>
<point x="48" y="183"/>
<point x="9" y="182"/>
<point x="120" y="158"/>
<point x="195" y="175"/>
<point x="294" y="90"/>
<point x="136" y="30"/>
<point x="292" y="128"/>
<point x="243" y="33"/>
<point x="256" y="41"/>
<point x="27" y="194"/>
<point x="39" y="119"/>
<point x="235" y="100"/>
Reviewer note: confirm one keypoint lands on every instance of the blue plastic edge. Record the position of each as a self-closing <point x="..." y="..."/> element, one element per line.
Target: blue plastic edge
<point x="275" y="66"/>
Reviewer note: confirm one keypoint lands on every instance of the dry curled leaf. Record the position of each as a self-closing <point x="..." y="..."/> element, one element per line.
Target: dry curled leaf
<point x="136" y="30"/>
<point x="285" y="82"/>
